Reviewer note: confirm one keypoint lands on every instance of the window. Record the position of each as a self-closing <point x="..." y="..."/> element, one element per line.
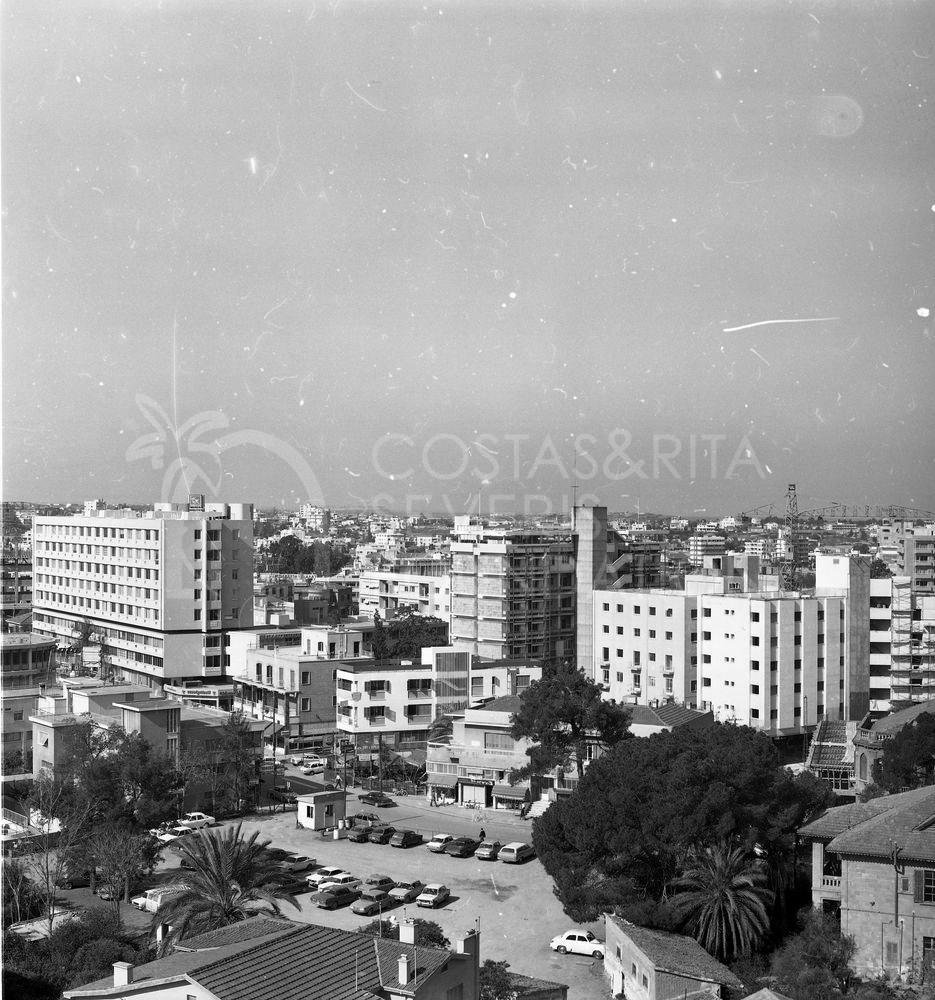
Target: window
<point x="652" y="633"/>
<point x="706" y="682"/>
<point x="605" y="651"/>
<point x="636" y="632"/>
<point x="705" y="657"/>
<point x="636" y="658"/>
<point x="754" y="713"/>
<point x="707" y="612"/>
<point x="754" y="689"/>
<point x="652" y="611"/>
<point x="306" y="705"/>
<point x="755" y="640"/>
<point x="706" y="636"/>
<point x="755" y="616"/>
<point x="606" y="607"/>
<point x="306" y="677"/>
<point x="925" y="885"/>
<point x="669" y="635"/>
<point x="754" y="664"/>
<point x="636" y="609"/>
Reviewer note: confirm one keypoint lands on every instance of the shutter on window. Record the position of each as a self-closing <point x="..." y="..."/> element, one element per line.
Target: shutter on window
<point x="917" y="892"/>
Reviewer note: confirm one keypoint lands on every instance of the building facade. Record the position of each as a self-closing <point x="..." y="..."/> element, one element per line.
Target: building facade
<point x="389" y="593"/>
<point x="513" y="593"/>
<point x="15" y="584"/>
<point x="159" y="591"/>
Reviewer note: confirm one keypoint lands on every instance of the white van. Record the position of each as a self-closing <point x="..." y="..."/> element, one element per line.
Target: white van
<point x="152" y="898"/>
<point x="516" y="853"/>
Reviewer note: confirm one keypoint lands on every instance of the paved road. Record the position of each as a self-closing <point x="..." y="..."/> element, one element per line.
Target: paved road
<point x="514" y="904"/>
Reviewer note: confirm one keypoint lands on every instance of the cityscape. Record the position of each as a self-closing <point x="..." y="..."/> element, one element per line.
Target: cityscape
<point x="468" y="501"/>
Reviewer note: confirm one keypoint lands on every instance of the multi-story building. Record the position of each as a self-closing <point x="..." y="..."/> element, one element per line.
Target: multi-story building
<point x="774" y="660"/>
<point x="512" y="592"/>
<point x="160" y="591"/>
<point x="916" y="558"/>
<point x="873" y="867"/>
<point x="316" y="518"/>
<point x="501" y="678"/>
<point x="705" y="544"/>
<point x="475" y="763"/>
<point x="28" y="666"/>
<point x="292" y="687"/>
<point x="15" y="585"/>
<point x="384" y="702"/>
<point x="388" y="593"/>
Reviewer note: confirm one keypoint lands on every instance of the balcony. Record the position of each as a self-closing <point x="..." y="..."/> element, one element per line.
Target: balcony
<point x="831" y="882"/>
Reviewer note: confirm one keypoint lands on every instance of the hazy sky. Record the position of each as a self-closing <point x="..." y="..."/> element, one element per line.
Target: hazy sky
<point x="304" y="247"/>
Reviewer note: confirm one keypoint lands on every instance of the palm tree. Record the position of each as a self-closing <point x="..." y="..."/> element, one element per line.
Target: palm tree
<point x="228" y="878"/>
<point x="721" y="899"/>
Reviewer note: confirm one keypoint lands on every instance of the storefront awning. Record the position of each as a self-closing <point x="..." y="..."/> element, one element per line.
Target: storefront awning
<point x="510" y="792"/>
<point x="442" y="780"/>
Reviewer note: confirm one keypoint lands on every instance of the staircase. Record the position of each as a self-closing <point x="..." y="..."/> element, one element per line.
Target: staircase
<point x="538" y="808"/>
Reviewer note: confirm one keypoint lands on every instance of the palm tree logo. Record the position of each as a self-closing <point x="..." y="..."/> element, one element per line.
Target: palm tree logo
<point x="199" y="448"/>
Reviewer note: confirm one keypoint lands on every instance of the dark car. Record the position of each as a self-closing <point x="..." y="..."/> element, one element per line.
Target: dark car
<point x="405" y="838"/>
<point x="462" y="847"/>
<point x="73" y="880"/>
<point x="373" y="902"/>
<point x="360" y="834"/>
<point x="339" y="895"/>
<point x="383" y="882"/>
<point x="381" y="834"/>
<point x="375" y="799"/>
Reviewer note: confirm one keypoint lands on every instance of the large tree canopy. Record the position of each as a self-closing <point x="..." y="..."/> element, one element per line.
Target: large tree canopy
<point x="564" y="713"/>
<point x="909" y="758"/>
<point x="628" y="829"/>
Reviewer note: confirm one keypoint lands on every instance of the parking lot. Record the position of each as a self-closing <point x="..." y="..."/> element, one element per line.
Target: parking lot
<point x="514" y="904"/>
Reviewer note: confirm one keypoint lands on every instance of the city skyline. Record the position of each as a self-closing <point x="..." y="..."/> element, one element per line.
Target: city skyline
<point x="291" y="253"/>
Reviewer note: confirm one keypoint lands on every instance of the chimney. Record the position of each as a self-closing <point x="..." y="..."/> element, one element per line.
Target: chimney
<point x="123" y="973"/>
<point x="407" y="932"/>
<point x="405" y="969"/>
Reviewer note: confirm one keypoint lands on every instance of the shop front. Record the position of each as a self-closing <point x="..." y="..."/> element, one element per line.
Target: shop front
<point x="475" y="791"/>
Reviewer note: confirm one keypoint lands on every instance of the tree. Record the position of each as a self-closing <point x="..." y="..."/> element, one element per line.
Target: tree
<point x="628" y="829"/>
<point x="496" y="982"/>
<point x="815" y="963"/>
<point x="228" y="879"/>
<point x="428" y="933"/>
<point x="409" y="633"/>
<point x="63" y="822"/>
<point x="721" y="900"/>
<point x="378" y="641"/>
<point x="565" y="715"/>
<point x="879" y="570"/>
<point x="22" y="898"/>
<point x="119" y="855"/>
<point x="908" y="759"/>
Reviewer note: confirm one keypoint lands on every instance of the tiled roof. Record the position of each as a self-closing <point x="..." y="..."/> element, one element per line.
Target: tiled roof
<point x="829" y="755"/>
<point x="305" y="962"/>
<point x="670" y="715"/>
<point x="909" y="825"/>
<point x="247" y="930"/>
<point x="677" y="954"/>
<point x="524" y="985"/>
<point x="506" y="703"/>
<point x="873" y="828"/>
<point x="895" y="721"/>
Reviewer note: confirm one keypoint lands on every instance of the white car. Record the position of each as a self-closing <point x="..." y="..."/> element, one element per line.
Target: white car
<point x="438" y="842"/>
<point x="433" y="895"/>
<point x="344" y="880"/>
<point x="326" y="874"/>
<point x="196" y="820"/>
<point x="173" y="833"/>
<point x="296" y="759"/>
<point x="578" y="942"/>
<point x="312" y="764"/>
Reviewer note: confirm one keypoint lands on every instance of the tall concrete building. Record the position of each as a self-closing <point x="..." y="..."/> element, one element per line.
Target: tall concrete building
<point x="915" y="558"/>
<point x="512" y="592"/>
<point x="606" y="560"/>
<point x="15" y="585"/>
<point x="160" y="590"/>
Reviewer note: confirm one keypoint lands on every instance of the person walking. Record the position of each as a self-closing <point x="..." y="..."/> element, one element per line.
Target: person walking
<point x="483" y="834"/>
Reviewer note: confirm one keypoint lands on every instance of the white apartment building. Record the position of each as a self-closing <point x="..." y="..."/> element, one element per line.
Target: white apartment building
<point x="384" y="701"/>
<point x="705" y="544"/>
<point x="389" y="593"/>
<point x="161" y="590"/>
<point x="763" y="548"/>
<point x="777" y="661"/>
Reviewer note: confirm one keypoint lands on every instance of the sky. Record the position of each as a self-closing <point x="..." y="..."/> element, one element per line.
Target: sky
<point x="450" y="256"/>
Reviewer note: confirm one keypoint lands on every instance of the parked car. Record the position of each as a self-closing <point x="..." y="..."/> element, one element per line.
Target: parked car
<point x="345" y="879"/>
<point x="516" y="853"/>
<point x="277" y="854"/>
<point x="296" y="760"/>
<point x="360" y="834"/>
<point x="196" y="820"/>
<point x="337" y="895"/>
<point x="173" y="834"/>
<point x="106" y="893"/>
<point x="461" y="847"/>
<point x="296" y="864"/>
<point x="373" y="902"/>
<point x="438" y="842"/>
<point x="405" y="838"/>
<point x="433" y="895"/>
<point x="376" y="799"/>
<point x="407" y="892"/>
<point x="324" y="875"/>
<point x="382" y="834"/>
<point x="578" y="942"/>
<point x="73" y="879"/>
<point x="362" y="817"/>
<point x="383" y="882"/>
<point x="151" y="899"/>
<point x="488" y="851"/>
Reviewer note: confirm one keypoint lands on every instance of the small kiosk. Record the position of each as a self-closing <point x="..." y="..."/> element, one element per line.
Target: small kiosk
<point x="322" y="810"/>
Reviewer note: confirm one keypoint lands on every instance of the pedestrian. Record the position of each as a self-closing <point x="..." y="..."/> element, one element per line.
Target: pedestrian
<point x="483" y="834"/>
